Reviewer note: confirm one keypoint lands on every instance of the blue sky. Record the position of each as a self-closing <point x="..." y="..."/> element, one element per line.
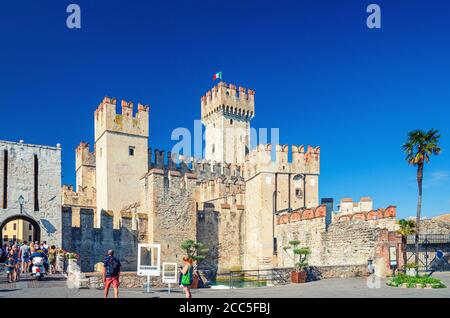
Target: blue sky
<point x="319" y="73"/>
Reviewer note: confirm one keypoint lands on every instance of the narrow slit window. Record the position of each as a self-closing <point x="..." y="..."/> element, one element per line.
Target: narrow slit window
<point x="36" y="183"/>
<point x="5" y="180"/>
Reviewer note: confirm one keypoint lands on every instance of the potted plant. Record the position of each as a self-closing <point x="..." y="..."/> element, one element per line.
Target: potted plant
<point x="300" y="256"/>
<point x="72" y="259"/>
<point x="411" y="269"/>
<point x="197" y="252"/>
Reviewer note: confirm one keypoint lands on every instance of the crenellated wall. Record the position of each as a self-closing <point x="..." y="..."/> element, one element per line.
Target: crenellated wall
<point x="349" y="241"/>
<point x="93" y="243"/>
<point x="121" y="146"/>
<point x="106" y="118"/>
<point x="226" y="98"/>
<point x="226" y="114"/>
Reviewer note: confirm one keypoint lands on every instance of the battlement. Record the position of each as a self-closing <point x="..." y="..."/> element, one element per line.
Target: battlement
<point x="83" y="156"/>
<point x="83" y="198"/>
<point x="107" y="119"/>
<point x="224" y="98"/>
<point x="202" y="169"/>
<point x="389" y="213"/>
<point x="301" y="161"/>
<point x="302" y="215"/>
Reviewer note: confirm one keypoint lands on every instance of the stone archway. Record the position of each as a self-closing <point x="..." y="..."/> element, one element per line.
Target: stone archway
<point x="34" y="223"/>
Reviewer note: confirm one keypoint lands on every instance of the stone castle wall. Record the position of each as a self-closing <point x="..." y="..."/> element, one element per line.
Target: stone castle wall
<point x="349" y="242"/>
<point x="93" y="243"/>
<point x="221" y="228"/>
<point x="168" y="200"/>
<point x="20" y="166"/>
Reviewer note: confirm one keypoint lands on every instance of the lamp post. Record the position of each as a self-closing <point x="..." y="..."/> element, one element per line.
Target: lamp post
<point x="21" y="202"/>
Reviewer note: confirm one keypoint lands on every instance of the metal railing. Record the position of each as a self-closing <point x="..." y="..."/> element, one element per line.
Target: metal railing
<point x="254" y="278"/>
<point x="429" y="239"/>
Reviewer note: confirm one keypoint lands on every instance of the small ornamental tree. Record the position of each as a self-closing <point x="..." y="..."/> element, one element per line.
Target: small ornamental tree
<point x="195" y="250"/>
<point x="300" y="255"/>
<point x="406" y="228"/>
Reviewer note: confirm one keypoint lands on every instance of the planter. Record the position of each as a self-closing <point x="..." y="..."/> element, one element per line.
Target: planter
<point x="411" y="272"/>
<point x="298" y="277"/>
<point x="71" y="264"/>
<point x="60" y="263"/>
<point x="194" y="284"/>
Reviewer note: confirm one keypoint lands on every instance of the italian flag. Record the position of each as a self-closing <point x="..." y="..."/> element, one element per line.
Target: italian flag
<point x="217" y="75"/>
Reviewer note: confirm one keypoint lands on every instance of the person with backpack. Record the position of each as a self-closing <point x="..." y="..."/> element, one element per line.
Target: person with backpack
<point x="111" y="273"/>
<point x="25" y="255"/>
<point x="187" y="276"/>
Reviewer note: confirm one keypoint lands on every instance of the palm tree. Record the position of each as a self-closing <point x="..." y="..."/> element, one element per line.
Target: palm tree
<point x="419" y="147"/>
<point x="407" y="228"/>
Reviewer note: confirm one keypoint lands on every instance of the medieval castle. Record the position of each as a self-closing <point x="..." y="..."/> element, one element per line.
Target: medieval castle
<point x="245" y="205"/>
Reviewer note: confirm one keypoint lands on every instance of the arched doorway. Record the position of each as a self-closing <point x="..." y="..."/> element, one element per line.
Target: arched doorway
<point x="7" y="223"/>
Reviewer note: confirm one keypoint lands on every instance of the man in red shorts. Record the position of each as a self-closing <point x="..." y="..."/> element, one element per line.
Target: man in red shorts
<point x="111" y="273"/>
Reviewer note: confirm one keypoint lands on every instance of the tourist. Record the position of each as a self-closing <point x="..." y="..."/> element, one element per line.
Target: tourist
<point x="186" y="276"/>
<point x="52" y="259"/>
<point x="25" y="256"/>
<point x="5" y="253"/>
<point x="14" y="253"/>
<point x="111" y="273"/>
<point x="11" y="269"/>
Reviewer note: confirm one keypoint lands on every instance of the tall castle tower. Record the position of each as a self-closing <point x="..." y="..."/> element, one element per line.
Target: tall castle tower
<point x="121" y="146"/>
<point x="226" y="114"/>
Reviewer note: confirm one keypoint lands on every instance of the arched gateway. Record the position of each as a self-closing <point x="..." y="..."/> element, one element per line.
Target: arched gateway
<point x="30" y="189"/>
<point x="36" y="229"/>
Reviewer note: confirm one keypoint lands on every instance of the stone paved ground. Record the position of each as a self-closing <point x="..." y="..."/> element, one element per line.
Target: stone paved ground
<point x="55" y="287"/>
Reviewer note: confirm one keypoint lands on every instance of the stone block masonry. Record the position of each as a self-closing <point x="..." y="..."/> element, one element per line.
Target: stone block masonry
<point x="168" y="198"/>
<point x="32" y="172"/>
<point x="346" y="242"/>
<point x="93" y="243"/>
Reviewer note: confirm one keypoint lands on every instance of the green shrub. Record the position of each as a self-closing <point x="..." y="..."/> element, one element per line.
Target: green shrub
<point x="411" y="282"/>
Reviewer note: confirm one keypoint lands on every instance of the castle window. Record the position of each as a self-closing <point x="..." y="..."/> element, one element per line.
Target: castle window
<point x="131" y="151"/>
<point x="299" y="193"/>
<point x="14" y="226"/>
<point x="213" y="148"/>
<point x="231" y="121"/>
<point x="30" y="227"/>
<point x="30" y="238"/>
<point x="5" y="238"/>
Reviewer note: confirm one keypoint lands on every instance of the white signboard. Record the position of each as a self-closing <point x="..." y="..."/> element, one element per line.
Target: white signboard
<point x="149" y="259"/>
<point x="170" y="273"/>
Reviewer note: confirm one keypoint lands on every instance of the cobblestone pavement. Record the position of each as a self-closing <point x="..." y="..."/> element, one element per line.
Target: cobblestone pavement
<point x="55" y="287"/>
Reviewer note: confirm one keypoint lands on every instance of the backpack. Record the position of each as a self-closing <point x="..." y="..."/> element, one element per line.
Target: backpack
<point x="113" y="267"/>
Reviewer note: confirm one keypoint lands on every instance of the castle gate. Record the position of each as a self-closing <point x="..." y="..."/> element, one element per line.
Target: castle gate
<point x="36" y="229"/>
<point x="30" y="189"/>
<point x="434" y="252"/>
